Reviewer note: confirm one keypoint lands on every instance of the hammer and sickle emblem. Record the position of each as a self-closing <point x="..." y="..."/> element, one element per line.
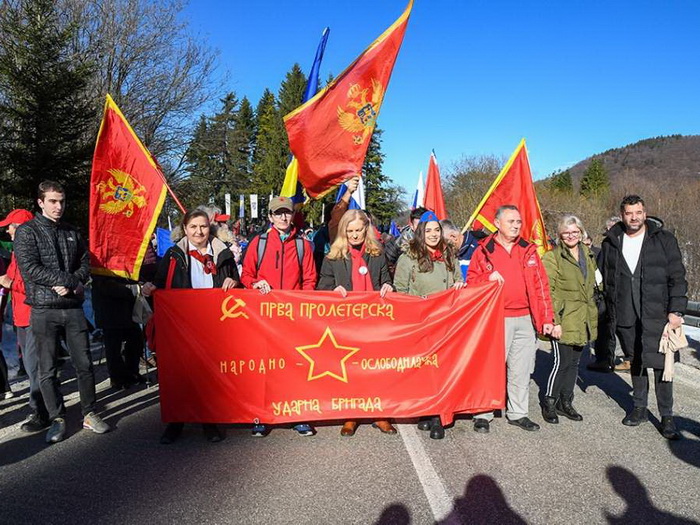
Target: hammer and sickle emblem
<point x="232" y="312"/>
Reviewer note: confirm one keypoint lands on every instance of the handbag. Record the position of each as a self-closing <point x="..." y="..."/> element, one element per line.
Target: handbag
<point x="142" y="311"/>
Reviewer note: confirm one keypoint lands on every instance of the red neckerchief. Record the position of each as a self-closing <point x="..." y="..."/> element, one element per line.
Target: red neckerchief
<point x="206" y="260"/>
<point x="361" y="280"/>
<point x="436" y="256"/>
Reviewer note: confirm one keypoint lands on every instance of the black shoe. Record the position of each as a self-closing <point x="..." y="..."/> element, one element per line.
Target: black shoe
<point x="437" y="431"/>
<point x="566" y="409"/>
<point x="212" y="433"/>
<point x="482" y="426"/>
<point x="34" y="424"/>
<point x="525" y="424"/>
<point x="172" y="432"/>
<point x="668" y="428"/>
<point x="549" y="412"/>
<point x="599" y="366"/>
<point x="635" y="418"/>
<point x="424" y="424"/>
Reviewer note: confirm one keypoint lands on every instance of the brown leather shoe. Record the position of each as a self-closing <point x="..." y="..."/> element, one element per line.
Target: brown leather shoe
<point x="384" y="426"/>
<point x="348" y="428"/>
<point x="623" y="366"/>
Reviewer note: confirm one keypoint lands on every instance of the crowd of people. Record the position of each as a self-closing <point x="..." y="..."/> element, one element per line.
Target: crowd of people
<point x="635" y="289"/>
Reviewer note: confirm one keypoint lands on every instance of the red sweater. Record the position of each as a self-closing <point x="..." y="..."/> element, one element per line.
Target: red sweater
<point x="526" y="288"/>
<point x="280" y="263"/>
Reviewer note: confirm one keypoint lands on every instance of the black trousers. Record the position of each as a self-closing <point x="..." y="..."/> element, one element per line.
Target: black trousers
<point x="27" y="343"/>
<point x="4" y="381"/>
<point x="46" y="325"/>
<point x="562" y="378"/>
<point x="631" y="341"/>
<point x="605" y="344"/>
<point x="123" y="349"/>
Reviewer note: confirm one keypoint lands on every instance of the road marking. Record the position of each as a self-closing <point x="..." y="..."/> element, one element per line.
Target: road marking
<point x="433" y="486"/>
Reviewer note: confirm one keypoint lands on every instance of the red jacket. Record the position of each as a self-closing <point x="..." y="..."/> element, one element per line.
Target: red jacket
<point x="536" y="282"/>
<point x="280" y="263"/>
<point x="20" y="310"/>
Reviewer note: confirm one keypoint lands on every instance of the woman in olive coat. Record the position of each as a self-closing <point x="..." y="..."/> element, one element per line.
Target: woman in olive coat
<point x="573" y="278"/>
<point x="428" y="266"/>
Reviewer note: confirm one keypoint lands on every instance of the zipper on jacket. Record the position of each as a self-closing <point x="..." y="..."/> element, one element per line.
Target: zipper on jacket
<point x="281" y="269"/>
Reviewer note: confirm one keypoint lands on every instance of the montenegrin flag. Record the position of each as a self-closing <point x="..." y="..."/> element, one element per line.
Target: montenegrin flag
<point x="127" y="192"/>
<point x="330" y="133"/>
<point x="513" y="186"/>
<point x="298" y="356"/>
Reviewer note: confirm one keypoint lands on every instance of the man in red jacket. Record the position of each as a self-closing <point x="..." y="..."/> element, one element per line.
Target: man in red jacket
<point x="509" y="259"/>
<point x="280" y="259"/>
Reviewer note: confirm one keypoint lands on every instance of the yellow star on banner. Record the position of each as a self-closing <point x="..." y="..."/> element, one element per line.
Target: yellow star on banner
<point x="327" y="356"/>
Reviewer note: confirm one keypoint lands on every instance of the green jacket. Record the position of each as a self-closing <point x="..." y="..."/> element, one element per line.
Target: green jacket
<point x="573" y="298"/>
<point x="408" y="279"/>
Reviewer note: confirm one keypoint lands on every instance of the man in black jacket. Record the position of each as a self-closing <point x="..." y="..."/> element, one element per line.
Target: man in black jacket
<point x="645" y="288"/>
<point x="53" y="261"/>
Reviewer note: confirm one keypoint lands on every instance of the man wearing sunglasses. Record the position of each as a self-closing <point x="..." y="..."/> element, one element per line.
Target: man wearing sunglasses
<point x="280" y="259"/>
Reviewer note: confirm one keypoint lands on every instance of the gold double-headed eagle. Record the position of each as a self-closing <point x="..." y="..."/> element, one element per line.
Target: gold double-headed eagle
<point x="121" y="193"/>
<point x="362" y="110"/>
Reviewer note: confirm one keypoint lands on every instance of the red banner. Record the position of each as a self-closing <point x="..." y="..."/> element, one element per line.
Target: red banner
<point x="293" y="356"/>
<point x="330" y="133"/>
<point x="127" y="192"/>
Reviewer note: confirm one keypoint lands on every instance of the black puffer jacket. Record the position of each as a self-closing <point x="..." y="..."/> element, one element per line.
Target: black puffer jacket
<point x="51" y="254"/>
<point x="663" y="285"/>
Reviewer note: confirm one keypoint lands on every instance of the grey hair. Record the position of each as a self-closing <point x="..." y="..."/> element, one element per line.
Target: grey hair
<point x="448" y="226"/>
<point x="568" y="220"/>
<point x="506" y="207"/>
<point x="612" y="221"/>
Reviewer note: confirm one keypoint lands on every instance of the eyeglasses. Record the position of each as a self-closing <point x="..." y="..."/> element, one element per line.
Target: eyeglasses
<point x="571" y="234"/>
<point x="279" y="213"/>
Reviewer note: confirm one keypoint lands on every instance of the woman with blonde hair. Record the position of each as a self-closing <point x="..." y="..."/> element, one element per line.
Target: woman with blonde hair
<point x="573" y="278"/>
<point x="355" y="262"/>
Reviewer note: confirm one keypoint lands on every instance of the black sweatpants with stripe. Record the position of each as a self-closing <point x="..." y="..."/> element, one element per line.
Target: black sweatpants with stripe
<point x="562" y="378"/>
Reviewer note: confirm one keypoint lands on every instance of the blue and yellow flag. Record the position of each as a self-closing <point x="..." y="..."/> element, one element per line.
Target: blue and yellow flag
<point x="292" y="188"/>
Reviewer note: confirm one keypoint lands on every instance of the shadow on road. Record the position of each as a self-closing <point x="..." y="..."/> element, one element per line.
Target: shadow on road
<point x="687" y="450"/>
<point x="483" y="503"/>
<point x="395" y="514"/>
<point x="639" y="509"/>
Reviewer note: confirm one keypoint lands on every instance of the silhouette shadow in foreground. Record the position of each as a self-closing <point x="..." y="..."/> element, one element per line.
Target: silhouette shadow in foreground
<point x="639" y="507"/>
<point x="483" y="503"/>
<point x="395" y="514"/>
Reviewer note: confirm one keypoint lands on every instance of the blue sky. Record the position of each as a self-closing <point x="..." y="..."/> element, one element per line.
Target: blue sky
<point x="473" y="77"/>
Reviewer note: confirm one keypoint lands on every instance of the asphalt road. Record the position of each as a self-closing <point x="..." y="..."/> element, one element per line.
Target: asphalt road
<point x="596" y="471"/>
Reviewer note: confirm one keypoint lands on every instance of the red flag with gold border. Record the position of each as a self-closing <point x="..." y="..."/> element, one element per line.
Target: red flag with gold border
<point x="513" y="186"/>
<point x="330" y="133"/>
<point x="127" y="192"/>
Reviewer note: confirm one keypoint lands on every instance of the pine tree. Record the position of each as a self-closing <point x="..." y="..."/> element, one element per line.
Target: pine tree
<point x="382" y="198"/>
<point x="561" y="181"/>
<point x="595" y="181"/>
<point x="270" y="154"/>
<point x="291" y="91"/>
<point x="46" y="120"/>
<point x="242" y="144"/>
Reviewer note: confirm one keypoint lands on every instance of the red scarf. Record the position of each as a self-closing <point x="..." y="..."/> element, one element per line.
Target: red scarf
<point x="361" y="280"/>
<point x="436" y="256"/>
<point x="206" y="260"/>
